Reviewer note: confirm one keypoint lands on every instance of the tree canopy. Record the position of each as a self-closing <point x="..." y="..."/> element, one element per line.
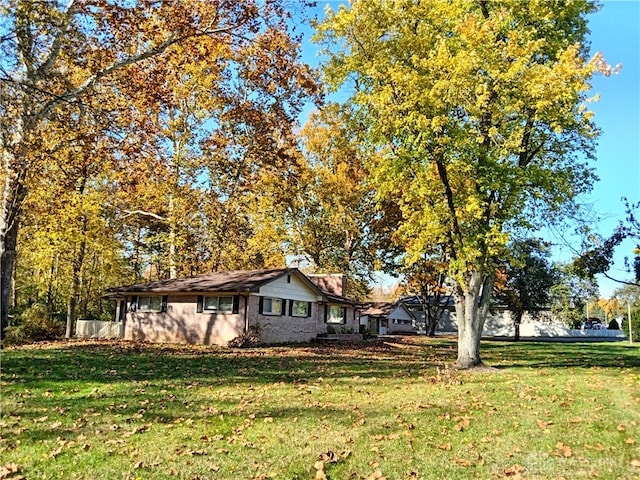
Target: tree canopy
<point x="479" y="111"/>
<point x="158" y="121"/>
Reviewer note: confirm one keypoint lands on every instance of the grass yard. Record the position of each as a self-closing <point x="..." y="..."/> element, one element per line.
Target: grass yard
<point x="116" y="410"/>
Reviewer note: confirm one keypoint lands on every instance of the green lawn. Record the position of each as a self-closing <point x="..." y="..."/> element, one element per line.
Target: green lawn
<point x="382" y="410"/>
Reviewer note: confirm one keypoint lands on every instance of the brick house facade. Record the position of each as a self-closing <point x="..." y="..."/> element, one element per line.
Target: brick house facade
<point x="283" y="305"/>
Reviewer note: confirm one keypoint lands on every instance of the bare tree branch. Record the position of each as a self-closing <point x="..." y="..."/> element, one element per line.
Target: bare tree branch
<point x="143" y="213"/>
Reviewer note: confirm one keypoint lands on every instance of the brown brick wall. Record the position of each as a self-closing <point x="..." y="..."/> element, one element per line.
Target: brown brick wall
<point x="182" y="324"/>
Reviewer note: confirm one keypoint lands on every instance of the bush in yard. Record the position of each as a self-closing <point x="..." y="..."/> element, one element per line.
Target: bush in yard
<point x="35" y="324"/>
<point x="635" y="322"/>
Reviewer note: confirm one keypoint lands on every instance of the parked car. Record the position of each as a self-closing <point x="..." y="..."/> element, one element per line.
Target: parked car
<point x="592" y="324"/>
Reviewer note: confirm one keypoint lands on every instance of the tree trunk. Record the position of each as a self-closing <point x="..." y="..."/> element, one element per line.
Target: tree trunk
<point x="75" y="287"/>
<point x="8" y="256"/>
<point x="52" y="271"/>
<point x="173" y="264"/>
<point x="472" y="306"/>
<point x="78" y="263"/>
<point x="516" y="323"/>
<point x="14" y="192"/>
<point x="432" y="322"/>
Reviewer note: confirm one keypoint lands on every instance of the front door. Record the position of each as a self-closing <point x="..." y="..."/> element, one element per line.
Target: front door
<point x="383" y="327"/>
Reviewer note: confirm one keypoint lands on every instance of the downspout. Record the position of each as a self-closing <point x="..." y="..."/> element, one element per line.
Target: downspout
<point x="246" y="314"/>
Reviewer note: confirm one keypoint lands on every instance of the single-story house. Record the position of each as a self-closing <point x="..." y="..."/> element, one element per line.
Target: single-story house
<point x="281" y="305"/>
<point x="381" y="318"/>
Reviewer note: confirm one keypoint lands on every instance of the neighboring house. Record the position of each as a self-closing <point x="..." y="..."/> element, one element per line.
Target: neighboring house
<point x="282" y="305"/>
<point x="381" y="318"/>
<point x="407" y="316"/>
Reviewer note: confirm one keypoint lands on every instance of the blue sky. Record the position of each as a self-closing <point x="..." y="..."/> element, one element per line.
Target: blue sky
<point x="615" y="33"/>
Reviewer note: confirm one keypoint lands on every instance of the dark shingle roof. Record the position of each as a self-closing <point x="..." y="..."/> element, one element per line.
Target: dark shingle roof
<point x="234" y="281"/>
<point x="377" y="309"/>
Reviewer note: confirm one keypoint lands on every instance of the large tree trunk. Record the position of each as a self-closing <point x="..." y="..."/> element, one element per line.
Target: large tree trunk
<point x="472" y="306"/>
<point x="7" y="264"/>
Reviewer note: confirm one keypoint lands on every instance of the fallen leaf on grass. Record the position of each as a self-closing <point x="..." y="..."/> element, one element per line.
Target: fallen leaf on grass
<point x="514" y="470"/>
<point x="445" y="446"/>
<point x="630" y="441"/>
<point x="319" y="466"/>
<point x="463" y="462"/>
<point x="635" y="463"/>
<point x="9" y="471"/>
<point x="598" y="446"/>
<point x="55" y="453"/>
<point x="565" y="450"/>
<point x="140" y="429"/>
<point x="332" y="457"/>
<point x="542" y="425"/>
<point x="377" y="475"/>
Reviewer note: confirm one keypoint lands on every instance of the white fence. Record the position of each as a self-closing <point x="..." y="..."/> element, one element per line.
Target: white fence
<point x="541" y="329"/>
<point x="98" y="329"/>
<point x="500" y="324"/>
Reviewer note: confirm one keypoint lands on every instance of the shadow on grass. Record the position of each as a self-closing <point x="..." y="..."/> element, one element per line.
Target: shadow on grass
<point x="130" y="384"/>
<point x="112" y="362"/>
<point x="613" y="355"/>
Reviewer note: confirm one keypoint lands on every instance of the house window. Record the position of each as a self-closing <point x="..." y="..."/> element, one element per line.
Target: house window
<point x="271" y="306"/>
<point x="218" y="304"/>
<point x="300" y="308"/>
<point x="336" y="314"/>
<point x="151" y="304"/>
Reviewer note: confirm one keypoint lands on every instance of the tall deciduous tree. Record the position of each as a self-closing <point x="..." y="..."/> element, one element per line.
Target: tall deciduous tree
<point x="479" y="111"/>
<point x="569" y="297"/>
<point x="55" y="55"/>
<point x="427" y="279"/>
<point x="528" y="280"/>
<point x="335" y="221"/>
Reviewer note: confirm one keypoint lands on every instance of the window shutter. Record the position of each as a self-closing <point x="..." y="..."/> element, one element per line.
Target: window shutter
<point x="283" y="310"/>
<point x="344" y="314"/>
<point x="326" y="312"/>
<point x="309" y="309"/>
<point x="163" y="305"/>
<point x="291" y="308"/>
<point x="134" y="303"/>
<point x="200" y="304"/>
<point x="260" y="303"/>
<point x="236" y="303"/>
